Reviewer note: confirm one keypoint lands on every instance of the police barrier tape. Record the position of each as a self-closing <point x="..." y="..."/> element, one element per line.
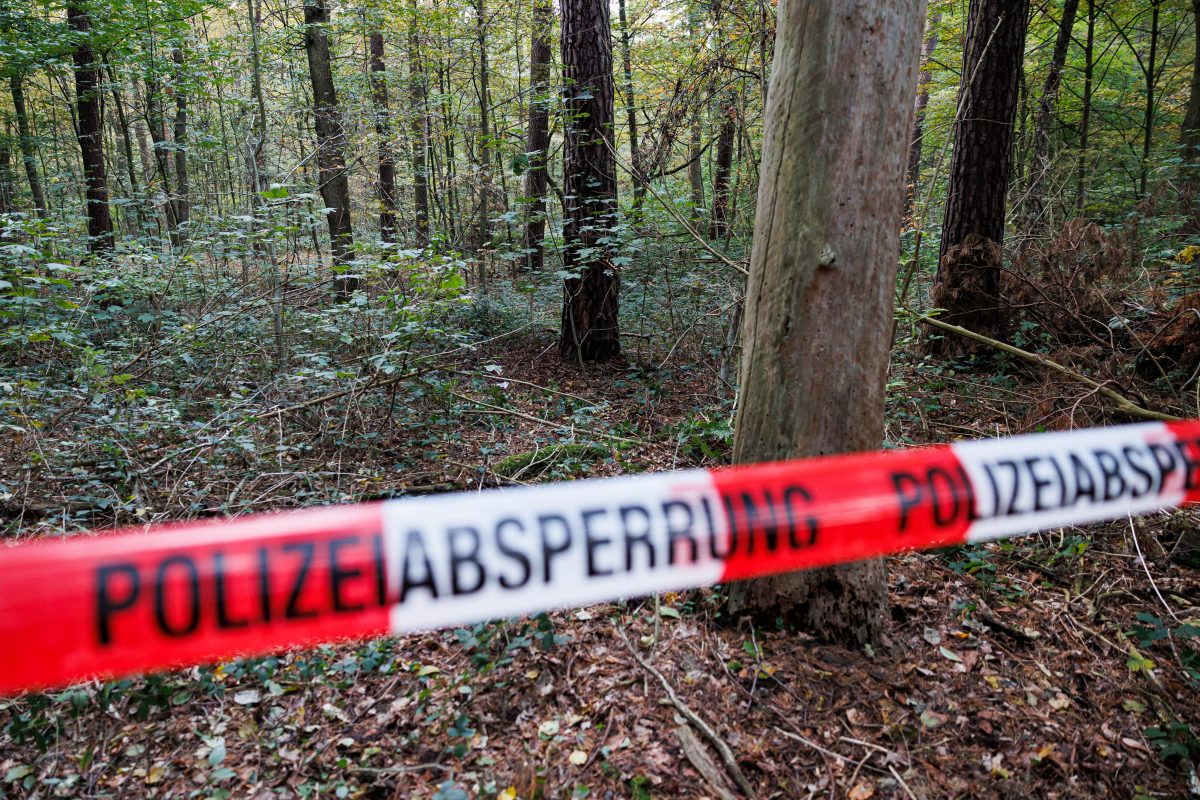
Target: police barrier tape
<point x="189" y="593"/>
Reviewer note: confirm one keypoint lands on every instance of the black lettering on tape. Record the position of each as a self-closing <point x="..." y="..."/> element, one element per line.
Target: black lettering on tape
<point x="593" y="541"/>
<point x="791" y="496"/>
<point x="162" y="581"/>
<point x="264" y="584"/>
<point x="909" y="494"/>
<point x="468" y="557"/>
<point x="1085" y="483"/>
<point x="640" y="536"/>
<point x="552" y="549"/>
<point x="338" y="575"/>
<point x="414" y="548"/>
<point x="680" y="531"/>
<point x="1040" y="483"/>
<point x="293" y="610"/>
<point x="1133" y="456"/>
<point x="222" y="602"/>
<point x="1110" y="470"/>
<point x="1164" y="459"/>
<point x="109" y="601"/>
<point x="381" y="597"/>
<point x="513" y="553"/>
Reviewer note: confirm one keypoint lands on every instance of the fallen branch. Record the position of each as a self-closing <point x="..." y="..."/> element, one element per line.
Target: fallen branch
<point x="1122" y="402"/>
<point x="727" y="756"/>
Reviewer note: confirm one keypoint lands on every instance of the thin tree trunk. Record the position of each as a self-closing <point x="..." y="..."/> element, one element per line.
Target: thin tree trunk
<point x="182" y="199"/>
<point x="918" y="129"/>
<point x="156" y="121"/>
<point x="635" y="155"/>
<point x="590" y="298"/>
<point x="1151" y="86"/>
<point x="1089" y="66"/>
<point x="1190" y="138"/>
<point x="537" y="141"/>
<point x="127" y="143"/>
<point x="968" y="277"/>
<point x="718" y="226"/>
<point x="420" y="127"/>
<point x="1040" y="167"/>
<point x="483" y="233"/>
<point x="822" y="277"/>
<point x="383" y="130"/>
<point x="91" y="132"/>
<point x="26" y="144"/>
<point x="331" y="160"/>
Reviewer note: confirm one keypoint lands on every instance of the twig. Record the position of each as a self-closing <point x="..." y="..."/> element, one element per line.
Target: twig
<point x="900" y="780"/>
<point x="1146" y="567"/>
<point x="529" y="417"/>
<point x="727" y="756"/>
<point x="1122" y="402"/>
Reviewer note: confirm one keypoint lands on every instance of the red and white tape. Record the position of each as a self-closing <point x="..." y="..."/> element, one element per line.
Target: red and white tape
<point x="182" y="594"/>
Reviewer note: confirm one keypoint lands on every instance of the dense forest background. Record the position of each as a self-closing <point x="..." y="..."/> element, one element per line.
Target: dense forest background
<point x="258" y="255"/>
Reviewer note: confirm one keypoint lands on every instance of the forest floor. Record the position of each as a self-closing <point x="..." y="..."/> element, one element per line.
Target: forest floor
<point x="1049" y="666"/>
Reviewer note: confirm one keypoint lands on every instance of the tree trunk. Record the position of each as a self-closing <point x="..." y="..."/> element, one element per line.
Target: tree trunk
<point x="331" y="161"/>
<point x="695" y="143"/>
<point x="719" y="221"/>
<point x="1190" y="138"/>
<point x="1089" y="66"/>
<point x="26" y="144"/>
<point x="823" y="272"/>
<point x="918" y="129"/>
<point x="589" y="318"/>
<point x="483" y="235"/>
<point x="537" y="141"/>
<point x="182" y="199"/>
<point x="1035" y="193"/>
<point x="156" y="122"/>
<point x="1151" y="75"/>
<point x="635" y="155"/>
<point x="968" y="276"/>
<point x="383" y="130"/>
<point x="419" y="97"/>
<point x="91" y="132"/>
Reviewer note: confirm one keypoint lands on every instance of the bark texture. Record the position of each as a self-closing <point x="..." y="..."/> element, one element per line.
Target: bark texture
<point x="419" y="96"/>
<point x="918" y="127"/>
<point x="331" y="160"/>
<point x="537" y="141"/>
<point x="968" y="287"/>
<point x="589" y="318"/>
<point x="383" y="130"/>
<point x="182" y="199"/>
<point x="26" y="143"/>
<point x="1036" y="192"/>
<point x="91" y="132"/>
<point x="823" y="270"/>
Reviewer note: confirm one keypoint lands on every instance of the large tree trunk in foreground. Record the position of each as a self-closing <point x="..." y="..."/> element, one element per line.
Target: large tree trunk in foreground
<point x="331" y="161"/>
<point x="823" y="271"/>
<point x="589" y="318"/>
<point x="91" y="132"/>
<point x="968" y="277"/>
<point x="537" y="141"/>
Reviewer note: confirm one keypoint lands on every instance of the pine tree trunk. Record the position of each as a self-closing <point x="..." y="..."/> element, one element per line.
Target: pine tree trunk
<point x="823" y="271"/>
<point x="968" y="277"/>
<point x="589" y="319"/>
<point x="26" y="144"/>
<point x="331" y="160"/>
<point x="537" y="141"/>
<point x="91" y="132"/>
<point x="383" y="130"/>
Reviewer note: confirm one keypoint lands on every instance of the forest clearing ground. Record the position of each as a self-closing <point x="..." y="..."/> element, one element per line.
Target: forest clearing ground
<point x="1018" y="670"/>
